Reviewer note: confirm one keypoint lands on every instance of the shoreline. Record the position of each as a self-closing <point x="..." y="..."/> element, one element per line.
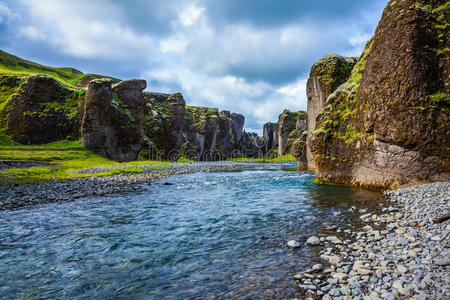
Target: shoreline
<point x="401" y="253"/>
<point x="22" y="195"/>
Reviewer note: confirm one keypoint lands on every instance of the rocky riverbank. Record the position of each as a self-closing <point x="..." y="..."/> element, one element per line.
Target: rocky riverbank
<point x="20" y="195"/>
<point x="401" y="253"/>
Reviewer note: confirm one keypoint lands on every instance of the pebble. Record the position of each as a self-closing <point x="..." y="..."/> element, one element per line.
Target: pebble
<point x="293" y="244"/>
<point x="398" y="254"/>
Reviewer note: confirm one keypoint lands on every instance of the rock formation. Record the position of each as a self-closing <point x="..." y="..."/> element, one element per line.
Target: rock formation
<point x="286" y="135"/>
<point x="42" y="110"/>
<point x="298" y="145"/>
<point x="268" y="136"/>
<point x="387" y="125"/>
<point x="325" y="76"/>
<point x="112" y="123"/>
<point x="173" y="129"/>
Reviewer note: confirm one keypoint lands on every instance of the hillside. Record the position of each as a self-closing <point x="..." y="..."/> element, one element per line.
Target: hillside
<point x="13" y="65"/>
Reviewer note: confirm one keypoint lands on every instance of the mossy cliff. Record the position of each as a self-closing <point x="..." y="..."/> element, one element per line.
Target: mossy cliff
<point x="171" y="129"/>
<point x="40" y="104"/>
<point x="387" y="125"/>
<point x="113" y="118"/>
<point x="39" y="109"/>
<point x="326" y="75"/>
<point x="285" y="136"/>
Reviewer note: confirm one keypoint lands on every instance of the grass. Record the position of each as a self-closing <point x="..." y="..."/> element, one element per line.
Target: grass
<point x="68" y="156"/>
<point x="286" y="157"/>
<point x="15" y="66"/>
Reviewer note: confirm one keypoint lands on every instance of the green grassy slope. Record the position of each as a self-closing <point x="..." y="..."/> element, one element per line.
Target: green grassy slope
<point x="13" y="65"/>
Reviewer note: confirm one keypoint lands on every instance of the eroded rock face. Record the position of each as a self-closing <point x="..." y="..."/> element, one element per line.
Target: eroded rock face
<point x="268" y="136"/>
<point x="113" y="119"/>
<point x="202" y="133"/>
<point x="298" y="146"/>
<point x="325" y="76"/>
<point x="388" y="124"/>
<point x="43" y="110"/>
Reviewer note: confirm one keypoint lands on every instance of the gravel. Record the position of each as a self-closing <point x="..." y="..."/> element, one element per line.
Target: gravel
<point x="401" y="252"/>
<point x="12" y="164"/>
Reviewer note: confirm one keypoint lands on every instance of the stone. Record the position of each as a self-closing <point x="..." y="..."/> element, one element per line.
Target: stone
<point x="401" y="269"/>
<point x="293" y="244"/>
<point x="442" y="261"/>
<point x="334" y="240"/>
<point x="334" y="260"/>
<point x="313" y="241"/>
<point x="317" y="267"/>
<point x="339" y="276"/>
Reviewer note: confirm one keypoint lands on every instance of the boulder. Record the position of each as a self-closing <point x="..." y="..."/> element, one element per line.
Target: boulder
<point x="112" y="123"/>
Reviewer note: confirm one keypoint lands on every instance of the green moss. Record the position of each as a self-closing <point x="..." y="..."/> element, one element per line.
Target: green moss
<point x="122" y="108"/>
<point x="318" y="181"/>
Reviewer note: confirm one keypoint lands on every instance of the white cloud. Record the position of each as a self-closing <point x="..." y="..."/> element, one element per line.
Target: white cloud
<point x="86" y="28"/>
<point x="32" y="33"/>
<point x="5" y="13"/>
<point x="190" y="14"/>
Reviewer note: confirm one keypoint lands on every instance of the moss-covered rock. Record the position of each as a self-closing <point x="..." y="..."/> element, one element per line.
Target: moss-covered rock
<point x="326" y="75"/>
<point x="388" y="123"/>
<point x="41" y="109"/>
<point x="113" y="119"/>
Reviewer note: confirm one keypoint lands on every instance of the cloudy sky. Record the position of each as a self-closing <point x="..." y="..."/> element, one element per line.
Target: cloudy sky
<point x="247" y="56"/>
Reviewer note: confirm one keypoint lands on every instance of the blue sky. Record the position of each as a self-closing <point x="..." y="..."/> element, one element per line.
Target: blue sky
<point x="247" y="56"/>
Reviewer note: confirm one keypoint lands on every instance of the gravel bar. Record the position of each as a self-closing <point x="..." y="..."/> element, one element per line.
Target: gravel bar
<point x="401" y="253"/>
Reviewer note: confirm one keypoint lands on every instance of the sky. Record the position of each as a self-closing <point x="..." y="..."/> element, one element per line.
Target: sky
<point x="247" y="56"/>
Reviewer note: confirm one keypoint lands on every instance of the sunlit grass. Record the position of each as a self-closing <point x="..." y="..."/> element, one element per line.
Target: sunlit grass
<point x="287" y="157"/>
<point x="68" y="157"/>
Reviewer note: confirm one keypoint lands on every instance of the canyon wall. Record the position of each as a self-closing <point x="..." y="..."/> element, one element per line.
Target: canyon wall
<point x="387" y="125"/>
<point x="325" y="76"/>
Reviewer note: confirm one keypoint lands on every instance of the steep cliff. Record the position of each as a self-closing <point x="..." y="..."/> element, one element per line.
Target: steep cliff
<point x="286" y="136"/>
<point x="112" y="123"/>
<point x="387" y="125"/>
<point x="41" y="109"/>
<point x="325" y="76"/>
<point x="173" y="129"/>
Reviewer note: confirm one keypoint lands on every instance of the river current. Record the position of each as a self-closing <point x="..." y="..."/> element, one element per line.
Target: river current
<point x="194" y="236"/>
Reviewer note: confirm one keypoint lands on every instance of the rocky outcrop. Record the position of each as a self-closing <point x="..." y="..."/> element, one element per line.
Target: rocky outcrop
<point x="326" y="75"/>
<point x="279" y="137"/>
<point x="163" y="124"/>
<point x="112" y="123"/>
<point x="173" y="129"/>
<point x="298" y="145"/>
<point x="268" y="136"/>
<point x="387" y="125"/>
<point x="41" y="110"/>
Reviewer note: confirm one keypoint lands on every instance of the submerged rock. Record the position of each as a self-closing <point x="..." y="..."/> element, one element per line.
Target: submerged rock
<point x="293" y="244"/>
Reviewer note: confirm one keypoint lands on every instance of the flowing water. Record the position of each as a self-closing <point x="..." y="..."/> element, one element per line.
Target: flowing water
<point x="191" y="236"/>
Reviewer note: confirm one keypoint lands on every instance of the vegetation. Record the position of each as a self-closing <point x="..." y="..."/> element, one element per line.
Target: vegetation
<point x="281" y="158"/>
<point x="67" y="157"/>
<point x="14" y="66"/>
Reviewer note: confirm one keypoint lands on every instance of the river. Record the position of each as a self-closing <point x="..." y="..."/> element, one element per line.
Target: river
<point x="193" y="236"/>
